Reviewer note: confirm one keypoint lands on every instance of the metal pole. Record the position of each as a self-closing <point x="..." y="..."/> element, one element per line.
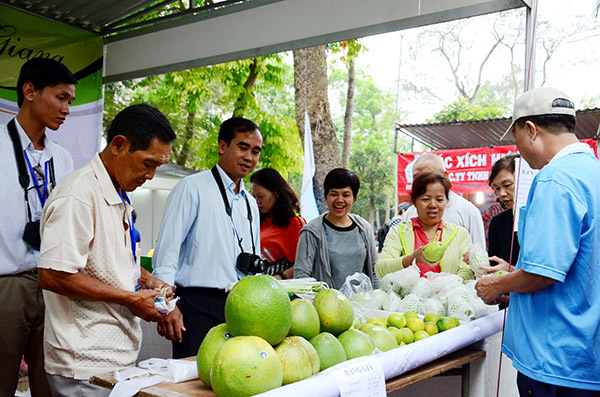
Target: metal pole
<point x="530" y="28"/>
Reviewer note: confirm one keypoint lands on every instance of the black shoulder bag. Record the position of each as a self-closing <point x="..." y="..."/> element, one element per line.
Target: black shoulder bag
<point x="31" y="235"/>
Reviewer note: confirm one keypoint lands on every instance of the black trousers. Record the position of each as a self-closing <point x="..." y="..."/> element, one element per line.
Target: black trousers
<point x="532" y="388"/>
<point x="202" y="309"/>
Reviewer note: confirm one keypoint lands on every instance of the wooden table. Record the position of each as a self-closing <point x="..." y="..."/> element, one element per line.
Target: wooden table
<point x="456" y="363"/>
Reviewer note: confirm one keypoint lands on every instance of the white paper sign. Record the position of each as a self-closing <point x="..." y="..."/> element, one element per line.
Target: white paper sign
<point x="363" y="377"/>
<point x="524" y="175"/>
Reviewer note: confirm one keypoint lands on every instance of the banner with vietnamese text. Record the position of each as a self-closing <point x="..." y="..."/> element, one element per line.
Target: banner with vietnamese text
<point x="24" y="36"/>
<point x="468" y="169"/>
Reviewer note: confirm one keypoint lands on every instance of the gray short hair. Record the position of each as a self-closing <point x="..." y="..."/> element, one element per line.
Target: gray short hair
<point x="433" y="158"/>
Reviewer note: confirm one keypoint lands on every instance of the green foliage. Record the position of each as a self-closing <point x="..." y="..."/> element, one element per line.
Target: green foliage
<point x="589" y="102"/>
<point x="462" y="110"/>
<point x="196" y="102"/>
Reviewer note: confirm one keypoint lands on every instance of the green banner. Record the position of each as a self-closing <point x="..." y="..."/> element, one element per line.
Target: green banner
<point x="23" y="36"/>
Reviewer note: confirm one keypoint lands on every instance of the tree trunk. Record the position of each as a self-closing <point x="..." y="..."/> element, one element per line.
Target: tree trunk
<point x="371" y="209"/>
<point x="348" y="115"/>
<point x="388" y="213"/>
<point x="190" y="132"/>
<point x="241" y="103"/>
<point x="310" y="83"/>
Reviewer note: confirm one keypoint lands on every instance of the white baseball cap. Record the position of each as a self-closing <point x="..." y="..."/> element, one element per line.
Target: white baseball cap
<point x="541" y="101"/>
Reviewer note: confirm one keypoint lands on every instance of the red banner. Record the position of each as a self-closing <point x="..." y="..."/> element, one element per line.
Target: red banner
<point x="468" y="169"/>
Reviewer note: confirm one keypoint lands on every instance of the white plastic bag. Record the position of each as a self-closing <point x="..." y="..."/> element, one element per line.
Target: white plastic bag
<point x="174" y="370"/>
<point x="356" y="283"/>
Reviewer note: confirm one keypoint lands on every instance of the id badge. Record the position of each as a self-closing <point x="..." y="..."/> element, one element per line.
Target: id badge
<point x="137" y="277"/>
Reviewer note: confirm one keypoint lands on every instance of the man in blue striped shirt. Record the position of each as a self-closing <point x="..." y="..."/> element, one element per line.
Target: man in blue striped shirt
<point x="200" y="239"/>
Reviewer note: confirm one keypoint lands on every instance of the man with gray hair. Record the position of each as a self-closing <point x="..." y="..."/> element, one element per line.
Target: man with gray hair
<point x="459" y="211"/>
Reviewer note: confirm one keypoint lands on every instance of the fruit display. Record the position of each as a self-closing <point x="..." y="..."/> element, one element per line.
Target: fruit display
<point x="442" y="294"/>
<point x="259" y="306"/>
<point x="269" y="341"/>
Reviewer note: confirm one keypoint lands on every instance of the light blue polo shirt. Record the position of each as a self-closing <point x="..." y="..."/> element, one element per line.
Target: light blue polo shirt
<point x="553" y="335"/>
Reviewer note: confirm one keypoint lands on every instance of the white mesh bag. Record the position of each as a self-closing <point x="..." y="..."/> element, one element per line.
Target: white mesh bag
<point x="412" y="303"/>
<point x="379" y="296"/>
<point x="422" y="288"/>
<point x="406" y="279"/>
<point x="460" y="308"/>
<point x="391" y="302"/>
<point x="434" y="306"/>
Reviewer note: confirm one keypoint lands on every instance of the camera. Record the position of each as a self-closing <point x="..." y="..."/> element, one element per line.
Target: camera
<point x="250" y="263"/>
<point x="31" y="235"/>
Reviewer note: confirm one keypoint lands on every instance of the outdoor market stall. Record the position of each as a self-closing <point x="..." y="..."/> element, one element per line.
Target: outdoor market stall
<point x="385" y="366"/>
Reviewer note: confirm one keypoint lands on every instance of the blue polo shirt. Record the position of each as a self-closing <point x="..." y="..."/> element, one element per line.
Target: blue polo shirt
<point x="553" y="335"/>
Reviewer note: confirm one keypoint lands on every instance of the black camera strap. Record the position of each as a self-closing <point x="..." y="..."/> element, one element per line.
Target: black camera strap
<point x="219" y="180"/>
<point x="20" y="159"/>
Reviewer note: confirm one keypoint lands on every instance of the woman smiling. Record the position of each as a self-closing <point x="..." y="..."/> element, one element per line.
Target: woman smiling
<point x="337" y="244"/>
<point x="405" y="243"/>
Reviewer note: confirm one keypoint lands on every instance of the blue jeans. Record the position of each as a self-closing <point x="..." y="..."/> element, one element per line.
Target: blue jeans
<point x="532" y="388"/>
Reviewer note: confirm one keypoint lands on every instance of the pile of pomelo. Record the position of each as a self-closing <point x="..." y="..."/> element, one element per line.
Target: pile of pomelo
<point x="269" y="341"/>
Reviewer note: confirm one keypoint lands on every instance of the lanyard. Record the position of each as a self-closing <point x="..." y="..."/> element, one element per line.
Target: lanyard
<point x="219" y="181"/>
<point x="43" y="194"/>
<point x="130" y="222"/>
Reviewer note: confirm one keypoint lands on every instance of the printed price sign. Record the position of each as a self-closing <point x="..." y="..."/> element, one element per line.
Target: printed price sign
<point x="361" y="378"/>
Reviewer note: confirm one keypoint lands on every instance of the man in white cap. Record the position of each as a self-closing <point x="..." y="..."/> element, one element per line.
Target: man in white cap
<point x="552" y="329"/>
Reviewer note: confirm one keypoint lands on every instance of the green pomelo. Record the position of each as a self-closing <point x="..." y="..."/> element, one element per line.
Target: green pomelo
<point x="408" y="336"/>
<point x="421" y="335"/>
<point x="336" y="313"/>
<point x="329" y="349"/>
<point x="408" y="315"/>
<point x="366" y="326"/>
<point x="259" y="306"/>
<point x="383" y="339"/>
<point x="431" y="328"/>
<point x="312" y="354"/>
<point x="396" y="320"/>
<point x="415" y="324"/>
<point x="357" y="323"/>
<point x="295" y="361"/>
<point x="356" y="343"/>
<point x="376" y="321"/>
<point x="431" y="318"/>
<point x="434" y="251"/>
<point x="245" y="366"/>
<point x="214" y="339"/>
<point x="397" y="334"/>
<point x="446" y="323"/>
<point x="305" y="319"/>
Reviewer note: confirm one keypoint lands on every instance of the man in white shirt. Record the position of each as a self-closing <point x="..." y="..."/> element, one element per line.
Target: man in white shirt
<point x="204" y="230"/>
<point x="459" y="211"/>
<point x="94" y="289"/>
<point x="45" y="90"/>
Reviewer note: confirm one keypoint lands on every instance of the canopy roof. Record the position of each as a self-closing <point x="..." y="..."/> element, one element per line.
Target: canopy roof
<point x="482" y="133"/>
<point x="230" y="30"/>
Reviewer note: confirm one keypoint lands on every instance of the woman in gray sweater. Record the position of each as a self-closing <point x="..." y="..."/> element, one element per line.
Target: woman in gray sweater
<point x="337" y="244"/>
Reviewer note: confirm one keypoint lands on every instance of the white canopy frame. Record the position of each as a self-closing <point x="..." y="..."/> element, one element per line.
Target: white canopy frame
<point x="263" y="27"/>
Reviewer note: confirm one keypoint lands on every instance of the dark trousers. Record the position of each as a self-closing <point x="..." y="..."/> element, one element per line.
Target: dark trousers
<point x="202" y="309"/>
<point x="532" y="388"/>
<point x="22" y="333"/>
